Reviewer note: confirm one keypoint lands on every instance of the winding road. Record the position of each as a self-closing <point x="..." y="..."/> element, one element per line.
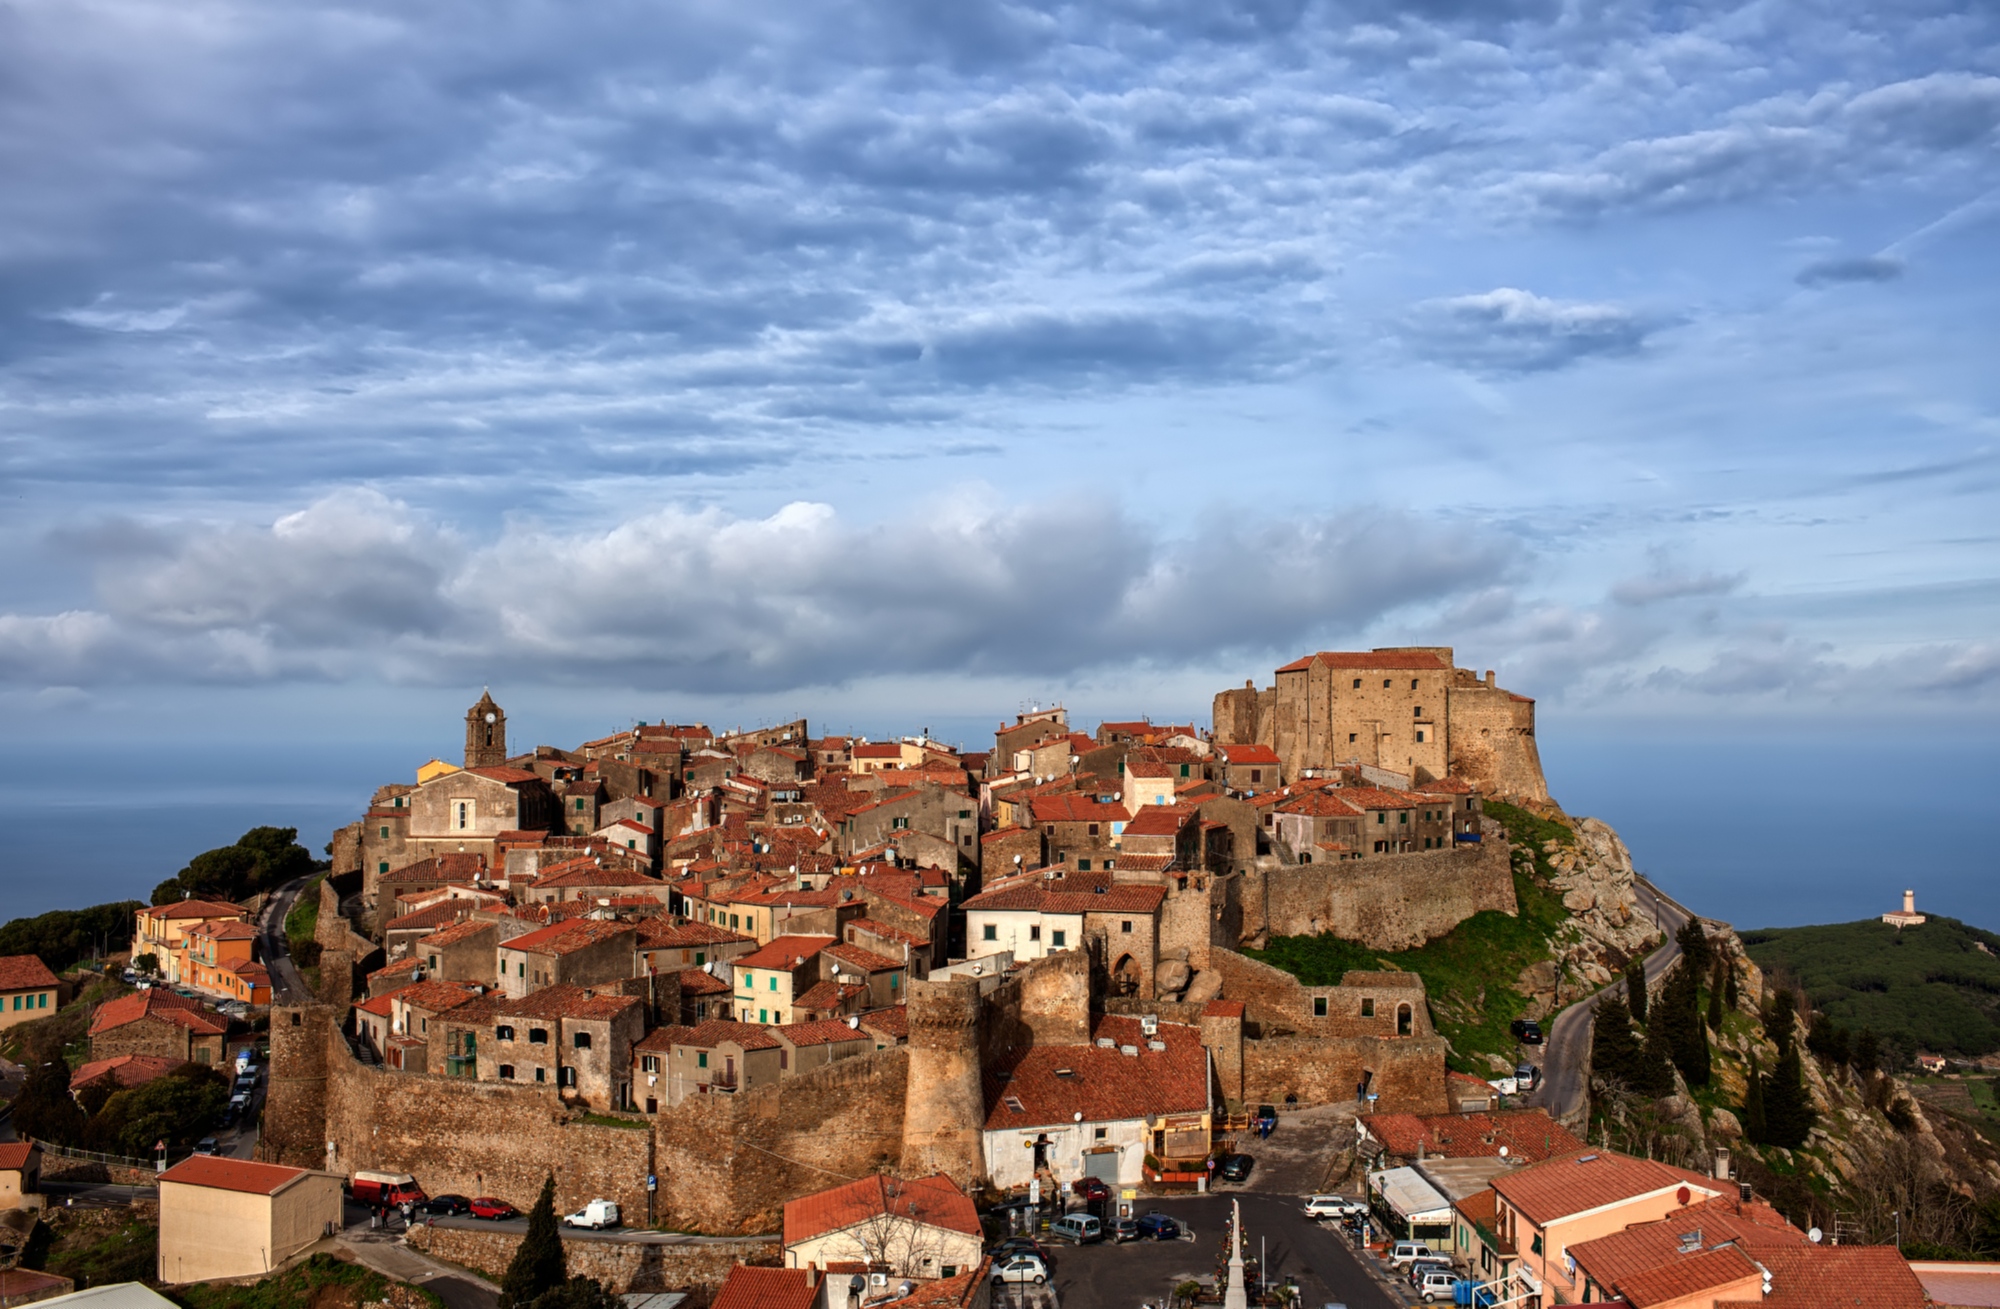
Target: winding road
<point x="1562" y="1088"/>
<point x="286" y="984"/>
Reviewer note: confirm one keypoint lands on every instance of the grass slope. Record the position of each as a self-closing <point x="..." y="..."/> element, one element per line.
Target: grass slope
<point x="321" y="1282"/>
<point x="1468" y="971"/>
<point x="1934" y="987"/>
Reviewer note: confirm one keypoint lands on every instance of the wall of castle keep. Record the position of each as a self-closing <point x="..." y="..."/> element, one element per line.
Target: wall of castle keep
<point x="697" y="1268"/>
<point x="1394" y="903"/>
<point x="1493" y="742"/>
<point x="1408" y="1074"/>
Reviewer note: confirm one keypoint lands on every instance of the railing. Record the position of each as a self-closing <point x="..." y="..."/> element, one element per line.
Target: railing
<point x="95" y="1156"/>
<point x="461" y="1065"/>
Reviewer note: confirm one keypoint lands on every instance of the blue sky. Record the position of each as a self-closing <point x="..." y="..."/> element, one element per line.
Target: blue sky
<point x="891" y="360"/>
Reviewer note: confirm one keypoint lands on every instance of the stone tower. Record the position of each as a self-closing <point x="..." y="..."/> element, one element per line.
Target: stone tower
<point x="943" y="1121"/>
<point x="485" y="734"/>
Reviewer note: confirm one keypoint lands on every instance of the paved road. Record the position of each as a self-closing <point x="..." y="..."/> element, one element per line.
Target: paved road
<point x="96" y="1195"/>
<point x="1125" y="1276"/>
<point x="622" y="1235"/>
<point x="286" y="984"/>
<point x="1562" y="1088"/>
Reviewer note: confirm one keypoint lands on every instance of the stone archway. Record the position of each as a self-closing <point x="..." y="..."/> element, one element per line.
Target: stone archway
<point x="1125" y="975"/>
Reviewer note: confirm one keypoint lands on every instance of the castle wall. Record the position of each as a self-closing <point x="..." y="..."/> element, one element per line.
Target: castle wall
<point x="1408" y="1075"/>
<point x="1493" y="742"/>
<point x="1393" y="903"/>
<point x="941" y="1128"/>
<point x="697" y="1267"/>
<point x="1363" y="1005"/>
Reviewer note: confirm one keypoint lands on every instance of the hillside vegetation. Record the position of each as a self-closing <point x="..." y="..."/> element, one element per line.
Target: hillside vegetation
<point x="1934" y="987"/>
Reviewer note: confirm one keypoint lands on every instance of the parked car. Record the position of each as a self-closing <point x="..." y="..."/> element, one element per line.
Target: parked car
<point x="1437" y="1285"/>
<point x="1157" y="1226"/>
<point x="445" y="1206"/>
<point x="1403" y="1253"/>
<point x="207" y="1145"/>
<point x="1525" y="1077"/>
<point x="1420" y="1268"/>
<point x="486" y="1206"/>
<point x="1267" y="1113"/>
<point x="1020" y="1268"/>
<point x="1077" y="1229"/>
<point x="1526" y="1030"/>
<point x="385" y="1188"/>
<point x="1014" y="1245"/>
<point x="1333" y="1206"/>
<point x="1236" y="1168"/>
<point x="1091" y="1188"/>
<point x="596" y="1215"/>
<point x="1122" y="1230"/>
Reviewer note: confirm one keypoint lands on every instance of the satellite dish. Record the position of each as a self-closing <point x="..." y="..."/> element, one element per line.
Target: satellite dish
<point x="1503" y="1152"/>
<point x="1815" y="1236"/>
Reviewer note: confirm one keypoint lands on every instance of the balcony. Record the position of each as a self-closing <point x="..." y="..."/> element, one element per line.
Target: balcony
<point x="461" y="1065"/>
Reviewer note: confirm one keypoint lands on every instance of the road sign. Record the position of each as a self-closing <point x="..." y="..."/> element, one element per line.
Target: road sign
<point x="652" y="1182"/>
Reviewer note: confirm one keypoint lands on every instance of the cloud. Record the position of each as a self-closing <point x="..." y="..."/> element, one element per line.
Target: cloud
<point x="1853" y="268"/>
<point x="1663" y="584"/>
<point x="695" y="599"/>
<point x="1509" y="330"/>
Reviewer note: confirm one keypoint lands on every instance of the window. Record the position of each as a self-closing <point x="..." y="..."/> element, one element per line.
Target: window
<point x="1184" y="770"/>
<point x="763" y="1016"/>
<point x="1381" y="818"/>
<point x="42" y="1000"/>
<point x="900" y="824"/>
<point x="464" y="813"/>
<point x="990" y="932"/>
<point x="1256" y="774"/>
<point x="1093" y="829"/>
<point x="1097" y="1133"/>
<point x="1536" y="1244"/>
<point x="1420" y="736"/>
<point x="774" y="982"/>
<point x="1385" y="683"/>
<point x="732" y="920"/>
<point x="1125" y="926"/>
<point x="1368" y="1007"/>
<point x="1351" y="738"/>
<point x="1357" y="684"/>
<point x="434" y="963"/>
<point x="541" y="1074"/>
<point x="503" y="1033"/>
<point x="701" y="1059"/>
<point x="581" y="1041"/>
<point x="1035" y="932"/>
<point x="700" y="957"/>
<point x="1403" y="819"/>
<point x="385" y="834"/>
<point x="506" y="1072"/>
<point x="1083" y="865"/>
<point x="965" y="813"/>
<point x="382" y="867"/>
<point x="521" y="969"/>
<point x="1319" y="1006"/>
<point x="649" y="1063"/>
<point x="1058" y="939"/>
<point x="579" y="802"/>
<point x="565" y="1076"/>
<point x="538" y="1036"/>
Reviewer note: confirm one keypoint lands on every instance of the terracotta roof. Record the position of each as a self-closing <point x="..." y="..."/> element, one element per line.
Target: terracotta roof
<point x="14" y="1154"/>
<point x="1409" y="661"/>
<point x="696" y="982"/>
<point x="1051" y="1083"/>
<point x="1561" y="1187"/>
<point x="434" y="996"/>
<point x="768" y="1288"/>
<point x="933" y="1201"/>
<point x="511" y="776"/>
<point x="785" y="951"/>
<point x="717" y="1030"/>
<point x="566" y="1001"/>
<point x="1222" y="1009"/>
<point x="430" y="916"/>
<point x="410" y="965"/>
<point x="824" y="1031"/>
<point x="658" y="933"/>
<point x="223" y="930"/>
<point x="1613" y="1260"/>
<point x="877" y="928"/>
<point x="1528" y="1134"/>
<point x="1689" y="1275"/>
<point x="1075" y="807"/>
<point x="1248" y="754"/>
<point x="1839" y="1277"/>
<point x="382" y="1006"/>
<point x="1160" y="820"/>
<point x="455" y="933"/>
<point x="19" y="972"/>
<point x="866" y="960"/>
<point x="124" y="1069"/>
<point x="567" y="937"/>
<point x="1118" y="898"/>
<point x="588" y="873"/>
<point x="156" y="1003"/>
<point x="196" y="909"/>
<point x="893" y="1021"/>
<point x="879" y="750"/>
<point x="825" y="995"/>
<point x="451" y="867"/>
<point x="664" y="1038"/>
<point x="232" y="1174"/>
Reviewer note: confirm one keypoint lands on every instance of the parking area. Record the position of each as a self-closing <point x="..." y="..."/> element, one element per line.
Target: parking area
<point x="1107" y="1276"/>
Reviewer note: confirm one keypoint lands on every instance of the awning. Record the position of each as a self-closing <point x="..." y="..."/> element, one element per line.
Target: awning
<point x="1413" y="1199"/>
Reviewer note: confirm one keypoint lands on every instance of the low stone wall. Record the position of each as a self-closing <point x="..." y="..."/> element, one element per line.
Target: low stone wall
<point x="58" y="1168"/>
<point x="1394" y="902"/>
<point x="697" y="1267"/>
<point x="1406" y="1072"/>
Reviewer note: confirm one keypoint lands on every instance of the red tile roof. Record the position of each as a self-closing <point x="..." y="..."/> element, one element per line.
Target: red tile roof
<point x="225" y="930"/>
<point x="511" y="776"/>
<point x="825" y="995"/>
<point x="768" y="1288"/>
<point x="1690" y="1275"/>
<point x="1528" y="1134"/>
<point x="455" y="933"/>
<point x="933" y="1201"/>
<point x="658" y="933"/>
<point x="1838" y="1277"/>
<point x="1612" y="1260"/>
<point x="1248" y="754"/>
<point x="196" y="909"/>
<point x="232" y="1174"/>
<point x="410" y="965"/>
<point x="785" y="952"/>
<point x="567" y="937"/>
<point x="1223" y="1009"/>
<point x="436" y="915"/>
<point x="1051" y="1083"/>
<point x="893" y="1021"/>
<point x="1561" y="1187"/>
<point x="696" y="982"/>
<point x="433" y="996"/>
<point x="1075" y="808"/>
<point x="159" y="1004"/>
<point x="865" y="960"/>
<point x="1160" y="820"/>
<point x="1409" y="661"/>
<point x="1118" y="898"/>
<point x="125" y="1070"/>
<point x="14" y="1154"/>
<point x="718" y="1030"/>
<point x="824" y="1031"/>
<point x="21" y="972"/>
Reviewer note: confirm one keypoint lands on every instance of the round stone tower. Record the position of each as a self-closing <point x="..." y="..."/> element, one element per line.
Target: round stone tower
<point x="485" y="734"/>
<point x="945" y="1111"/>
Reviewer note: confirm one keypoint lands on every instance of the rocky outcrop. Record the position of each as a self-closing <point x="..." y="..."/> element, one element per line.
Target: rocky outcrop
<point x="1607" y="928"/>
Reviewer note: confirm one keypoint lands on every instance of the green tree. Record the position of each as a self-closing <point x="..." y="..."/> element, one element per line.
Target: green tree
<point x="44" y="1109"/>
<point x="539" y="1265"/>
<point x="1715" y="998"/>
<point x="1635" y="990"/>
<point x="1730" y="995"/>
<point x="1614" y="1051"/>
<point x="1788" y="1109"/>
<point x="578" y="1293"/>
<point x="178" y="1108"/>
<point x="1782" y="1019"/>
<point x="262" y="858"/>
<point x="1694" y="945"/>
<point x="63" y="936"/>
<point x="1867" y="1052"/>
<point x="1828" y="1040"/>
<point x="1753" y="1106"/>
<point x="1677" y="1014"/>
<point x="147" y="964"/>
<point x="1654" y="1073"/>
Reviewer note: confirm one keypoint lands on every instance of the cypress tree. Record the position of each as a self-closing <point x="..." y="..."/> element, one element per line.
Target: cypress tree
<point x="1788" y="1108"/>
<point x="1614" y="1052"/>
<point x="1694" y="945"/>
<point x="1654" y="1074"/>
<point x="1753" y="1107"/>
<point x="1679" y="1017"/>
<point x="1867" y="1052"/>
<point x="1779" y="1026"/>
<point x="1635" y="990"/>
<point x="1730" y="995"/>
<point x="45" y="1109"/>
<point x="1715" y="998"/>
<point x="539" y="1264"/>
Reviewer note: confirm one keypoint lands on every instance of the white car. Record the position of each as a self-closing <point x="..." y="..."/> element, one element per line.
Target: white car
<point x="1333" y="1206"/>
<point x="1404" y="1253"/>
<point x="597" y="1215"/>
<point x="1021" y="1268"/>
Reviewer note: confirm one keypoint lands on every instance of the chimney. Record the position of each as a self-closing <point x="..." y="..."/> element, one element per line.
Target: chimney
<point x="1489" y="677"/>
<point x="1721" y="1163"/>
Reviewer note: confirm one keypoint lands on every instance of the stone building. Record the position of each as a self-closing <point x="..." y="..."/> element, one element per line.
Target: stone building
<point x="485" y="734"/>
<point x="157" y="1022"/>
<point x="1402" y="708"/>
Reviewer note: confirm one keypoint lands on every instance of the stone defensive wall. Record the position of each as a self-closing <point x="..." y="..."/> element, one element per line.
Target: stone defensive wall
<point x="1393" y="902"/>
<point x="725" y="1163"/>
<point x="696" y="1266"/>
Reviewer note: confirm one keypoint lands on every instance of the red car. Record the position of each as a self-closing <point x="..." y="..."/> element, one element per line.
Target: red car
<point x="1091" y="1188"/>
<point x="486" y="1206"/>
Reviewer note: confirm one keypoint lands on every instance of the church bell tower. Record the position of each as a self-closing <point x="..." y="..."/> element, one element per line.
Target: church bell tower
<point x="485" y="734"/>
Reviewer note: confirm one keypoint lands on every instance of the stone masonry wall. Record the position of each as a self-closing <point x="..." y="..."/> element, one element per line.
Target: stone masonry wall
<point x="697" y="1267"/>
<point x="1407" y="1073"/>
<point x="1397" y="902"/>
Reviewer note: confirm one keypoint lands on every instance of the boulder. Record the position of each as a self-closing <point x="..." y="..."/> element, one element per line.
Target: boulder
<point x="1206" y="985"/>
<point x="1171" y="977"/>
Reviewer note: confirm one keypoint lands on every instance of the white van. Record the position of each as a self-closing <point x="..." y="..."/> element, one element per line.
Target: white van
<point x="596" y="1215"/>
<point x="1404" y="1252"/>
<point x="1333" y="1206"/>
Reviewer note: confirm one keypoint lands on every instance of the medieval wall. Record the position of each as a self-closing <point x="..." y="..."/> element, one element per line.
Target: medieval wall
<point x="697" y="1266"/>
<point x="1492" y="742"/>
<point x="1244" y="716"/>
<point x="1396" y="902"/>
<point x="1408" y="1074"/>
<point x="941" y="1129"/>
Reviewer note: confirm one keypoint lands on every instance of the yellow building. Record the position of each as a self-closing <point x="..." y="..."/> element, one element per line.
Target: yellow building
<point x="768" y="980"/>
<point x="233" y="1218"/>
<point x="28" y="990"/>
<point x="436" y="768"/>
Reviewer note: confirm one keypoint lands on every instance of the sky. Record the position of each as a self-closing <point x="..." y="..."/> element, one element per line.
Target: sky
<point x="904" y="364"/>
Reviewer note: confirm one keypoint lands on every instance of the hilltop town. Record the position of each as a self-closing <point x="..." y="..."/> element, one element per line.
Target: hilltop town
<point x="858" y="1009"/>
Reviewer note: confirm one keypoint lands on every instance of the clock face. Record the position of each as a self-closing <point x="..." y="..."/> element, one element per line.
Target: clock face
<point x="490" y="718"/>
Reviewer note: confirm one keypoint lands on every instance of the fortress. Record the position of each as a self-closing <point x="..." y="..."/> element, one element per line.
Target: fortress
<point x="1402" y="708"/>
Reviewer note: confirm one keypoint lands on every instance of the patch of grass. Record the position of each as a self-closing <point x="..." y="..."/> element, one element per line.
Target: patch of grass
<point x="321" y="1281"/>
<point x="97" y="1256"/>
<point x="613" y="1120"/>
<point x="299" y="925"/>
